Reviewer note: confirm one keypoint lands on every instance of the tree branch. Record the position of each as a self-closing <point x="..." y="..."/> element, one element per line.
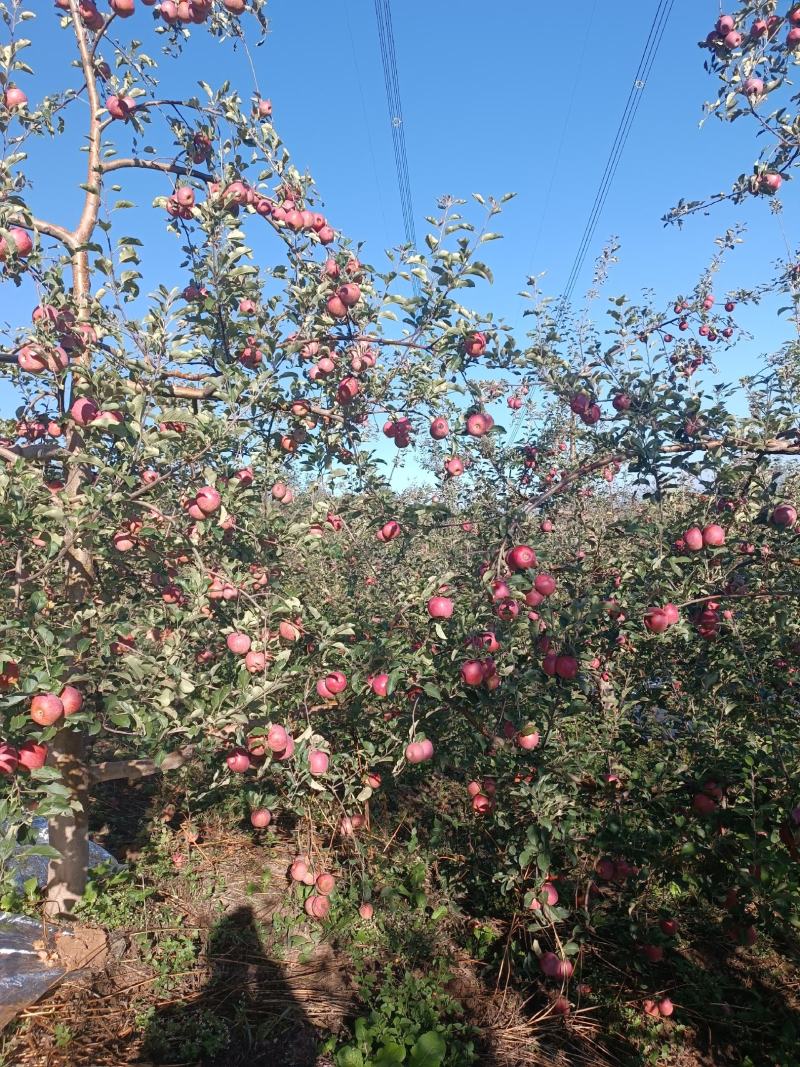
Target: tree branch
<point x="49" y="229"/>
<point x="154" y="164"/>
<point x="114" y="770"/>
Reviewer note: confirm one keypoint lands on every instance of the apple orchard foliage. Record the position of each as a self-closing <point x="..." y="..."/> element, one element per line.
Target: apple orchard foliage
<point x="588" y="629"/>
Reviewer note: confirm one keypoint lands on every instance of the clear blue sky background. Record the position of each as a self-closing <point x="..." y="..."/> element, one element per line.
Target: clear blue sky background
<point x="511" y="96"/>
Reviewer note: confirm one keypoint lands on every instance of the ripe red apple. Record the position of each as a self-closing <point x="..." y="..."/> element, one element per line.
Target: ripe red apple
<point x="550" y="894"/>
<point x="22" y="245"/>
<point x="238" y="760"/>
<point x="316" y="906"/>
<point x="71" y="699"/>
<point x="751" y="87"/>
<point x="289" y="631"/>
<point x="521" y="558"/>
<point x="325" y="884"/>
<point x="14" y="98"/>
<point x="793" y="38"/>
<point x="366" y="911"/>
<point x="379" y="684"/>
<point x="389" y="531"/>
<point x="669" y="927"/>
<point x="479" y="423"/>
<point x="703" y="804"/>
<point x="83" y="411"/>
<point x="725" y="24"/>
<point x="318" y="761"/>
<point x="772" y="182"/>
<point x="46" y="708"/>
<point x="656" y="620"/>
<point x="238" y="643"/>
<point x="621" y="402"/>
<point x="419" y="751"/>
<point x="335" y="682"/>
<point x="120" y="107"/>
<point x="713" y="535"/>
<point x="665" y="1007"/>
<point x="260" y="818"/>
<point x="9" y="758"/>
<point x="481" y="804"/>
<point x="454" y="467"/>
<point x="440" y="607"/>
<point x="472" y="672"/>
<point x="349" y="294"/>
<point x="439" y="428"/>
<point x="733" y="40"/>
<point x="566" y="667"/>
<point x="545" y="584"/>
<point x="475" y="344"/>
<point x="299" y="869"/>
<point x="693" y="538"/>
<point x="653" y="953"/>
<point x="528" y="738"/>
<point x="784" y="515"/>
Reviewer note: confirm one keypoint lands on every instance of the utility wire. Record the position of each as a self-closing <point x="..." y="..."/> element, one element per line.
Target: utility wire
<point x="652" y="45"/>
<point x="383" y="15"/>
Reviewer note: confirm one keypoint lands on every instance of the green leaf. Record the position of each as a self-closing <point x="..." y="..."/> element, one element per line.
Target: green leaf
<point x="390" y="1054"/>
<point x="349" y="1057"/>
<point x="429" y="1050"/>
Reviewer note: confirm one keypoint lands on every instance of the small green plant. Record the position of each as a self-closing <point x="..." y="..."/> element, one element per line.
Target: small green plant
<point x="414" y="1022"/>
<point x="62" y="1036"/>
<point x="112" y="898"/>
<point x="194" y="1036"/>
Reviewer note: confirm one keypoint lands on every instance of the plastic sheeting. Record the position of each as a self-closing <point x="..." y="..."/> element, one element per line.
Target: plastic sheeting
<point x="29" y="965"/>
<point x="26" y="972"/>
<point x="26" y="866"/>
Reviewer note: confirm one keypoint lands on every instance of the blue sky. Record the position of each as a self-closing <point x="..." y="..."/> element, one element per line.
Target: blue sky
<point x="486" y="105"/>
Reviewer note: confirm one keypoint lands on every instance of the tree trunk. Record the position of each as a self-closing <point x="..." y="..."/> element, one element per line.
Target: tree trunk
<point x="69" y="834"/>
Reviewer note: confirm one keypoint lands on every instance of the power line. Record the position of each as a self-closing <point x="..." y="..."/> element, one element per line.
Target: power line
<point x="652" y="45"/>
<point x="581" y="65"/>
<point x="383" y="15"/>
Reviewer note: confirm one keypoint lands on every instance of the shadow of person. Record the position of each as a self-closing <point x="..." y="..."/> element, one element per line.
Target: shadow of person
<point x="246" y="1014"/>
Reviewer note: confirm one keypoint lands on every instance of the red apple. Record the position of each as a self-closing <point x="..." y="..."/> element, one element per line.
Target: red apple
<point x="318" y="761"/>
<point x="521" y="558"/>
<point x="325" y="884"/>
<point x="528" y="738"/>
<point x="440" y="607"/>
<point x="784" y="515"/>
<point x="260" y="818"/>
<point x="46" y="708"/>
<point x="545" y="584"/>
<point x="9" y="758"/>
<point x="238" y="643"/>
<point x="71" y="699"/>
<point x="713" y="535"/>
<point x="238" y="760"/>
<point x="472" y="672"/>
<point x="379" y="684"/>
<point x="693" y="538"/>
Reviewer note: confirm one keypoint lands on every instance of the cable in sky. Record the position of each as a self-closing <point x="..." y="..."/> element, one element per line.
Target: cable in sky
<point x="652" y="45"/>
<point x="383" y="15"/>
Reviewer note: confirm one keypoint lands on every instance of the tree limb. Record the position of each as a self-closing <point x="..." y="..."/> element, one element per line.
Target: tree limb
<point x="154" y="164"/>
<point x="115" y="770"/>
